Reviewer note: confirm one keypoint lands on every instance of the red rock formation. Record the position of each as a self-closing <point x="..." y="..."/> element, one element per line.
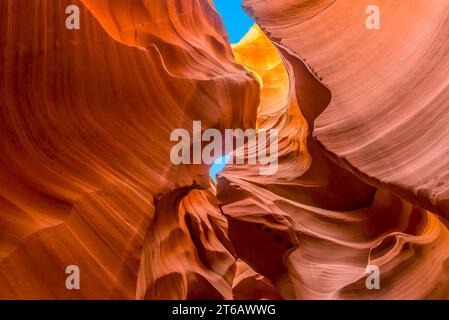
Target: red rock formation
<point x="86" y="176"/>
<point x="387" y="119"/>
<point x="85" y="122"/>
<point x="187" y="253"/>
<point x="249" y="285"/>
<point x="317" y="248"/>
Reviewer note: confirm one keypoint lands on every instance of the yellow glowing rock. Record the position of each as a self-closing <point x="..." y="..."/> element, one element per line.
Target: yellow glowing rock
<point x="258" y="55"/>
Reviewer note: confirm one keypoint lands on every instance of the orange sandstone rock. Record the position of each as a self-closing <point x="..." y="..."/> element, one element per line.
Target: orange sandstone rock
<point x="85" y="122"/>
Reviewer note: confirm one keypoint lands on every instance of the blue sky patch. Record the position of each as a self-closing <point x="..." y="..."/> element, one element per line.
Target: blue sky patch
<point x="236" y="21"/>
<point x="218" y="167"/>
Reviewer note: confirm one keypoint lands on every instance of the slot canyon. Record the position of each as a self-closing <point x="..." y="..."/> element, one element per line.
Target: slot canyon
<point x="86" y="177"/>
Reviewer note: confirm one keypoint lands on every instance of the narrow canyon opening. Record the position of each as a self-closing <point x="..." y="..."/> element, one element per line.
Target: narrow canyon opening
<point x="237" y="23"/>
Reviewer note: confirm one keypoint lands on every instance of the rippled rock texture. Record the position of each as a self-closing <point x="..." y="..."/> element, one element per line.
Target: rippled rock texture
<point x="87" y="180"/>
<point x="85" y="124"/>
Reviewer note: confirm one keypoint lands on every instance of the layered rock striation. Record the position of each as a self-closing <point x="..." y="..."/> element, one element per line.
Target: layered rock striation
<point x="86" y="177"/>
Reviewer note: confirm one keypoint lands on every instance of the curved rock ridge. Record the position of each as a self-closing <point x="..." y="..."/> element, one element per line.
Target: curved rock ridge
<point x="187" y="254"/>
<point x="313" y="240"/>
<point x="249" y="285"/>
<point x="387" y="119"/>
<point x="85" y="123"/>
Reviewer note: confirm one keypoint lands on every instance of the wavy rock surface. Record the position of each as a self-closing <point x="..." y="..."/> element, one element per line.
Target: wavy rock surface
<point x="249" y="285"/>
<point x="387" y="119"/>
<point x="187" y="254"/>
<point x="85" y="171"/>
<point x="85" y="122"/>
<point x="318" y="240"/>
